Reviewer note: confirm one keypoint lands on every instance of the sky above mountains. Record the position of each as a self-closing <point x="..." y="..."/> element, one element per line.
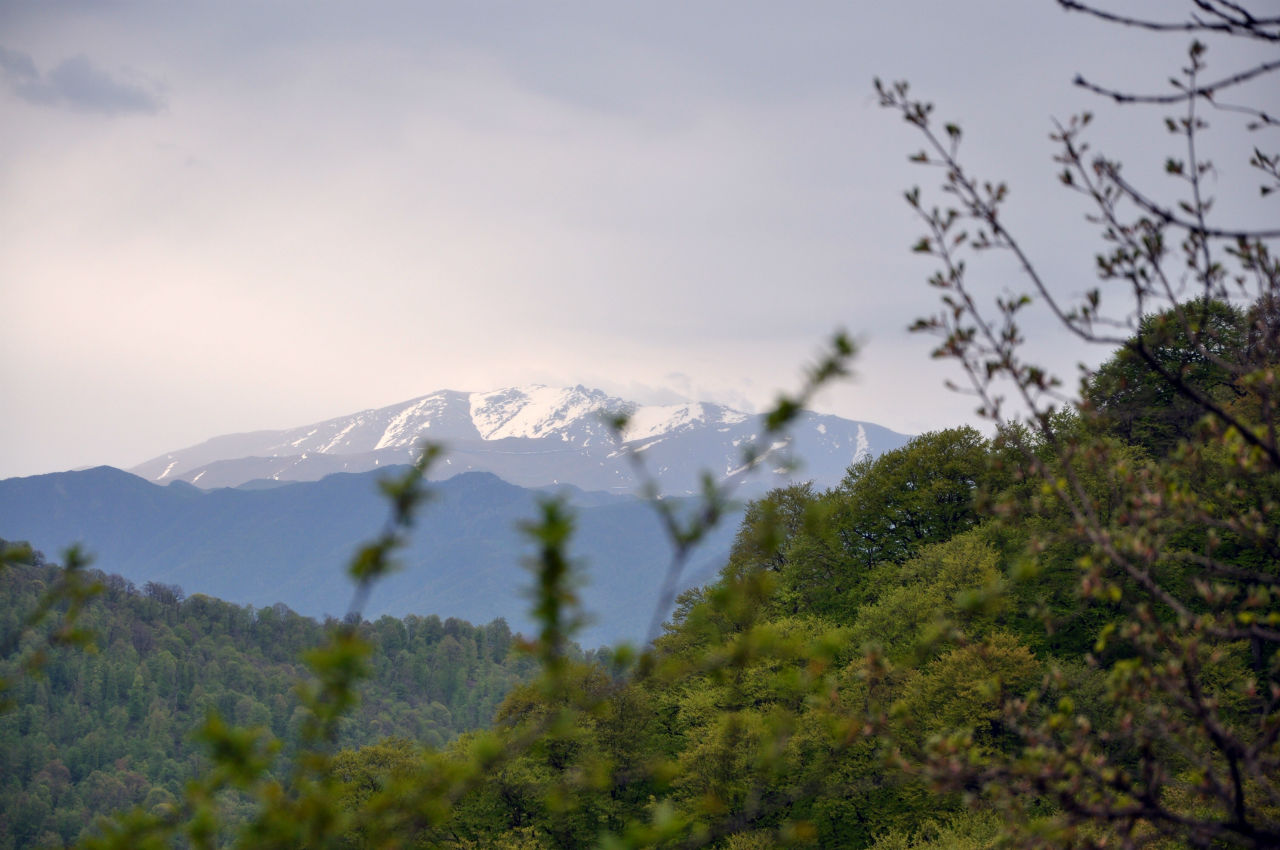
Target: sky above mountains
<point x="221" y="217"/>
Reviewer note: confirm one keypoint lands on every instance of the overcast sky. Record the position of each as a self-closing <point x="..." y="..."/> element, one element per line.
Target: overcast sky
<point x="220" y="217"/>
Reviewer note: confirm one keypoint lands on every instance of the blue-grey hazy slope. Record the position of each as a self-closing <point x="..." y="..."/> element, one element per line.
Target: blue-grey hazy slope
<point x="289" y="543"/>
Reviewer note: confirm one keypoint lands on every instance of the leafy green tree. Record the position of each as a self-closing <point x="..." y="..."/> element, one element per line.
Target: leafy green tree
<point x="891" y="505"/>
<point x="770" y="524"/>
<point x="1133" y="400"/>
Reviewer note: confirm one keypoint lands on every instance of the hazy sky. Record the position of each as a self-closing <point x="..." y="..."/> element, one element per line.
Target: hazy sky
<point x="229" y="216"/>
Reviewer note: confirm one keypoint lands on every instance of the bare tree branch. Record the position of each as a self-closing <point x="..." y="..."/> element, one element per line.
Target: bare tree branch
<point x="1244" y="25"/>
<point x="1167" y="216"/>
<point x="1205" y="91"/>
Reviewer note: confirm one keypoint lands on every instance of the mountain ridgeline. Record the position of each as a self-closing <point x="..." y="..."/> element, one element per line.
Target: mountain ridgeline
<point x="289" y="544"/>
<point x="536" y="436"/>
<point x="273" y="515"/>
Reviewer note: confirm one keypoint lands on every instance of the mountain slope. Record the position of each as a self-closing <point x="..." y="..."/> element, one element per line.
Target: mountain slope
<point x="290" y="543"/>
<point x="533" y="436"/>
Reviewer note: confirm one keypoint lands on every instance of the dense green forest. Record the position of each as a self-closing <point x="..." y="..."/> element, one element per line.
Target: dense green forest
<point x="103" y="730"/>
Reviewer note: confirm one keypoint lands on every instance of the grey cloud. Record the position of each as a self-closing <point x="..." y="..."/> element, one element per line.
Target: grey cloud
<point x="75" y="83"/>
<point x="17" y="66"/>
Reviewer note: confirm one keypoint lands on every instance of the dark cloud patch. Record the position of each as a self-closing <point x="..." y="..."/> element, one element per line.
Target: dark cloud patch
<point x="75" y="83"/>
<point x="17" y="67"/>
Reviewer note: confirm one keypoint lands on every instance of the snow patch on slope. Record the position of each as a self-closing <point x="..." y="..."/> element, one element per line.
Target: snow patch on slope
<point x="350" y="426"/>
<point x="538" y="411"/>
<point x="863" y="446"/>
<point x="405" y="426"/>
<point x="659" y="419"/>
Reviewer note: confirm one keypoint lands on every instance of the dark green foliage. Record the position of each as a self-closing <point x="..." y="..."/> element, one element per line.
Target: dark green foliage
<point x="1136" y="393"/>
<point x="94" y="732"/>
<point x="922" y="493"/>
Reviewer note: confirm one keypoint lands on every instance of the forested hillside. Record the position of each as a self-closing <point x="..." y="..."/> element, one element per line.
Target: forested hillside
<point x="103" y="730"/>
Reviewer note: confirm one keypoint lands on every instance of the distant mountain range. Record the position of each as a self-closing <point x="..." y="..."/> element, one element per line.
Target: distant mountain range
<point x="535" y="436"/>
<point x="274" y="515"/>
<point x="290" y="543"/>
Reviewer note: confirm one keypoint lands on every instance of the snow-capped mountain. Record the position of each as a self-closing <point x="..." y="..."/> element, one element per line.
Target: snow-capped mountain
<point x="535" y="436"/>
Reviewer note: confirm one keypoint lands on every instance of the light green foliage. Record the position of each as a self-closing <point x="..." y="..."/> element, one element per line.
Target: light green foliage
<point x="967" y="687"/>
<point x="926" y="597"/>
<point x="771" y="525"/>
<point x="980" y="830"/>
<point x="825" y="547"/>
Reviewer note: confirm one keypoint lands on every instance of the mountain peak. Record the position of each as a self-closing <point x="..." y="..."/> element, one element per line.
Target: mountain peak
<point x="533" y="435"/>
<point x="538" y="411"/>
